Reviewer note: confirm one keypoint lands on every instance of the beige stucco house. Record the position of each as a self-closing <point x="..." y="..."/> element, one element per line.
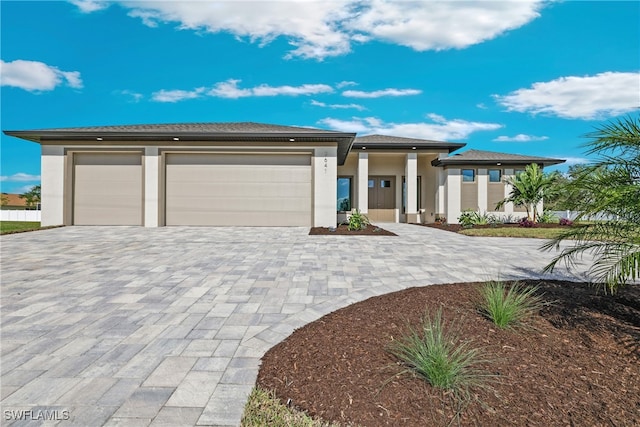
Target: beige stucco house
<point x="254" y="174"/>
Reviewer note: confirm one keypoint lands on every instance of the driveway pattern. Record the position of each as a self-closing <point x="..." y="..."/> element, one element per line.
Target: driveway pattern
<point x="166" y="327"/>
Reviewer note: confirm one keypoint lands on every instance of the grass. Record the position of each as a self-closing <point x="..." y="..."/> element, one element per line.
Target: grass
<point x="264" y="409"/>
<point x="439" y="356"/>
<point x="509" y="306"/>
<point x="537" y="233"/>
<point x="7" y="227"/>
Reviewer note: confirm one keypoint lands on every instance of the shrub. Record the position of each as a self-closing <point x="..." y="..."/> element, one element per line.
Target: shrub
<point x="526" y="222"/>
<point x="469" y="218"/>
<point x="358" y="221"/>
<point x="547" y="217"/>
<point x="566" y="221"/>
<point x="509" y="307"/>
<point x="440" y="219"/>
<point x="440" y="356"/>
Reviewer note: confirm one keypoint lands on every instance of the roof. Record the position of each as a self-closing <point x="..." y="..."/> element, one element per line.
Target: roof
<point x="14" y="200"/>
<point x="390" y="142"/>
<point x="479" y="157"/>
<point x="178" y="133"/>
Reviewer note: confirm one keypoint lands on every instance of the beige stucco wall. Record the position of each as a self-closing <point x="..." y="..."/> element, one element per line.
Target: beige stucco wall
<point x="52" y="191"/>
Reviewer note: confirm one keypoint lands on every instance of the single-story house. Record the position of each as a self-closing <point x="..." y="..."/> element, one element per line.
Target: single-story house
<point x="13" y="202"/>
<point x="253" y="174"/>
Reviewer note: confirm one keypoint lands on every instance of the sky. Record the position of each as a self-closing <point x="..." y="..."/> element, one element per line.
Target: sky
<point x="523" y="77"/>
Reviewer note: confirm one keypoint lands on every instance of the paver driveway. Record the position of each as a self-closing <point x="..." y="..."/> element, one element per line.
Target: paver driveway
<point x="134" y="326"/>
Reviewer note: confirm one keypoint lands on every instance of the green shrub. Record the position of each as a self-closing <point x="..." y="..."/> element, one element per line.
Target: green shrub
<point x="547" y="217"/>
<point x="509" y="306"/>
<point x="440" y="356"/>
<point x="468" y="218"/>
<point x="358" y="221"/>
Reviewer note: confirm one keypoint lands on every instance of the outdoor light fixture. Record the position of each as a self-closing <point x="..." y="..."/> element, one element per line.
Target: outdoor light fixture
<point x="413" y="148"/>
<point x="364" y="148"/>
<point x="292" y="140"/>
<point x="176" y="139"/>
<point x="98" y="139"/>
<point x="498" y="164"/>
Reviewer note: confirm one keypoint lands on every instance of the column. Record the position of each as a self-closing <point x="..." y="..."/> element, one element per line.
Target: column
<point x="411" y="182"/>
<point x="325" y="187"/>
<point x="151" y="187"/>
<point x="483" y="184"/>
<point x="454" y="183"/>
<point x="52" y="176"/>
<point x="363" y="182"/>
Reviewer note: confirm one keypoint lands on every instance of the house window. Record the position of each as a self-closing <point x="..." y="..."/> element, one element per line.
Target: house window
<point x="519" y="171"/>
<point x="468" y="175"/>
<point x="495" y="175"/>
<point x="404" y="193"/>
<point x="371" y="183"/>
<point x="344" y="193"/>
<point x="385" y="183"/>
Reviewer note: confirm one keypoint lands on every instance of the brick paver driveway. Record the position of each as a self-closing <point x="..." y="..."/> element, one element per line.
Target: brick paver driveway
<point x="134" y="326"/>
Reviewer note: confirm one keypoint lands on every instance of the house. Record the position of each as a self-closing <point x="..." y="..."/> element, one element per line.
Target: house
<point x="13" y="202"/>
<point x="255" y="174"/>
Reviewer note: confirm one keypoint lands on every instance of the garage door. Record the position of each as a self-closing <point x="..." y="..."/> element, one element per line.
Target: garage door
<point x="107" y="189"/>
<point x="238" y="189"/>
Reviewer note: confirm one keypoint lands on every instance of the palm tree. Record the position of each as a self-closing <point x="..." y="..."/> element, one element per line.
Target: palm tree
<point x="528" y="188"/>
<point x="610" y="187"/>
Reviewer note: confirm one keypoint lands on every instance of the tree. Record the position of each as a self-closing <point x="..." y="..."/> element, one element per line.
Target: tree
<point x="611" y="187"/>
<point x="528" y="189"/>
<point x="4" y="199"/>
<point x="32" y="197"/>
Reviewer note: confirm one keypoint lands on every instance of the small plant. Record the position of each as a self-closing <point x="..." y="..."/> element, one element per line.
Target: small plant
<point x="566" y="221"/>
<point x="468" y="218"/>
<point x="526" y="222"/>
<point x="440" y="219"/>
<point x="510" y="306"/>
<point x="357" y="221"/>
<point x="547" y="217"/>
<point x="441" y="357"/>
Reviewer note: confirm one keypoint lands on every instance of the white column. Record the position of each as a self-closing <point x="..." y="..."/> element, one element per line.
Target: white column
<point x="363" y="182"/>
<point x="325" y="187"/>
<point x="151" y="186"/>
<point x="454" y="187"/>
<point x="411" y="181"/>
<point x="508" y="207"/>
<point x="52" y="175"/>
<point x="441" y="195"/>
<point x="483" y="183"/>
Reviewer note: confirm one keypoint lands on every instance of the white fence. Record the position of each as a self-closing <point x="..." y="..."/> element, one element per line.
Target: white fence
<point x="20" y="215"/>
<point x="573" y="214"/>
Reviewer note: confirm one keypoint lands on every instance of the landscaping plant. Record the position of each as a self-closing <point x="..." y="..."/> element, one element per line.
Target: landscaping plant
<point x="441" y="357"/>
<point x="358" y="221"/>
<point x="508" y="306"/>
<point x="609" y="187"/>
<point x="529" y="188"/>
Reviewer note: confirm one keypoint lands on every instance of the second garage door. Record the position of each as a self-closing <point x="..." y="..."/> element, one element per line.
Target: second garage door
<point x="238" y="189"/>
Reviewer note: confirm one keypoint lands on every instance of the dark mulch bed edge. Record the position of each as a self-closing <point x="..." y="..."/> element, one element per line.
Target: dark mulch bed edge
<point x="343" y="230"/>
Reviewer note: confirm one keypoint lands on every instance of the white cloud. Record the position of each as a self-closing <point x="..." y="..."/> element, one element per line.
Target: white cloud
<point x="520" y="138"/>
<point x="338" y="106"/>
<point x="590" y="97"/>
<point x="323" y="29"/>
<point x="381" y="93"/>
<point x="439" y="128"/>
<point x="88" y="6"/>
<point x="36" y="76"/>
<point x="346" y="83"/>
<point x="20" y="177"/>
<point x="131" y="95"/>
<point x="176" y="95"/>
<point x="572" y="161"/>
<point x="229" y="89"/>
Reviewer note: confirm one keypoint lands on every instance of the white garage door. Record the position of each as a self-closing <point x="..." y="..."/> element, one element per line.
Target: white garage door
<point x="238" y="189"/>
<point x="107" y="189"/>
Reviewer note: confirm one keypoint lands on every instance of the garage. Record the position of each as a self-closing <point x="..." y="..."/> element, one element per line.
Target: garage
<point x="107" y="188"/>
<point x="245" y="189"/>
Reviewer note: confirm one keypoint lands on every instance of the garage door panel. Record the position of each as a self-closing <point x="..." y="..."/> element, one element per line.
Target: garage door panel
<point x="107" y="189"/>
<point x="206" y="189"/>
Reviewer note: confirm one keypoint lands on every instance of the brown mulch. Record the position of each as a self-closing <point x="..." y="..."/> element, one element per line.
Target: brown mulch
<point x="343" y="230"/>
<point x="577" y="365"/>
<point x="457" y="227"/>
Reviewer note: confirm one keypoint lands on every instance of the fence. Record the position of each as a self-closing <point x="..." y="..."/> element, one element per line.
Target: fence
<point x="573" y="214"/>
<point x="20" y="215"/>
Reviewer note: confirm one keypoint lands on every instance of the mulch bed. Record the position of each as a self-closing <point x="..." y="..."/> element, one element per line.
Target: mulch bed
<point x="343" y="230"/>
<point x="457" y="227"/>
<point x="578" y="365"/>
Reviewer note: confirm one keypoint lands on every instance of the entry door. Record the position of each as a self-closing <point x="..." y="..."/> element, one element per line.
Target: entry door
<point x="382" y="194"/>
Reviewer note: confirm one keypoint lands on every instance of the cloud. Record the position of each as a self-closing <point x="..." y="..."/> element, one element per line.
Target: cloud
<point x="380" y="93"/>
<point x="130" y="95"/>
<point x="590" y="97"/>
<point x="20" y="177"/>
<point x="338" y="106"/>
<point x="439" y="128"/>
<point x="36" y="76"/>
<point x="323" y="29"/>
<point x="520" y="138"/>
<point x="176" y="95"/>
<point x="229" y="89"/>
<point x="346" y="83"/>
<point x="572" y="161"/>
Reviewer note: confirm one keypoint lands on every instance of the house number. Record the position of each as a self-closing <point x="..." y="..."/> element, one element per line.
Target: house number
<point x="326" y="166"/>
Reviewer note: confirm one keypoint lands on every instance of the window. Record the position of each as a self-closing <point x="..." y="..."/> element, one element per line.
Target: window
<point x="495" y="175"/>
<point x="468" y="175"/>
<point x="385" y="183"/>
<point x="519" y="171"/>
<point x="371" y="183"/>
<point x="344" y="194"/>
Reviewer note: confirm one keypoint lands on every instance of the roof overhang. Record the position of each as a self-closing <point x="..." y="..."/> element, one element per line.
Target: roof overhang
<point x="497" y="162"/>
<point x="344" y="140"/>
<point x="437" y="146"/>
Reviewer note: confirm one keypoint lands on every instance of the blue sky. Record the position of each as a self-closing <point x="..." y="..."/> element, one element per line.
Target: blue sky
<point x="526" y="77"/>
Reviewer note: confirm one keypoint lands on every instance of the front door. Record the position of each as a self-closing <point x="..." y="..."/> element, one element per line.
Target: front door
<point x="382" y="198"/>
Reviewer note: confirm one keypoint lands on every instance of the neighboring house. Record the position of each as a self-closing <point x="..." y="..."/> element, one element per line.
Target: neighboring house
<point x="13" y="202"/>
<point x="258" y="174"/>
